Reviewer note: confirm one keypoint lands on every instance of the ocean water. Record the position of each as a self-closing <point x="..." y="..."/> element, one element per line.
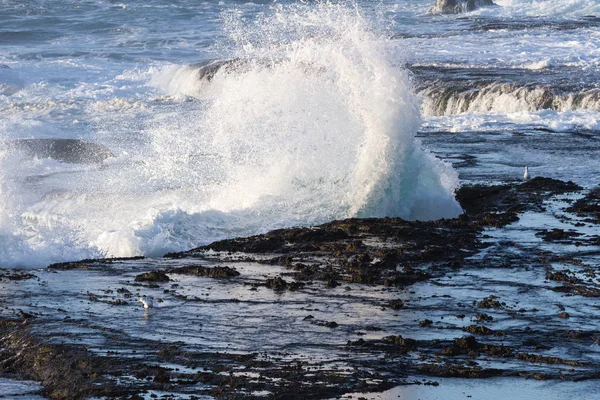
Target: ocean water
<point x="139" y="128"/>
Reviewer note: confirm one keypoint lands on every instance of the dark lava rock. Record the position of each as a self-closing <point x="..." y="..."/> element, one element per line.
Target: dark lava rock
<point x="483" y="318"/>
<point x="332" y="283"/>
<point x="444" y="242"/>
<point x="118" y="302"/>
<point x="359" y="342"/>
<point x="252" y="244"/>
<point x="86" y="264"/>
<point x="470" y="346"/>
<point x="401" y="344"/>
<point x="371" y="328"/>
<point x="535" y="358"/>
<point x="278" y="284"/>
<point x="396" y="304"/>
<point x="479" y="330"/>
<point x="498" y="220"/>
<point x="556" y="234"/>
<point x="274" y="241"/>
<point x="573" y="334"/>
<point x="549" y="185"/>
<point x="561" y="276"/>
<point x="462" y="346"/>
<point x="497" y="351"/>
<point x="152" y="276"/>
<point x="125" y="292"/>
<point x="327" y="324"/>
<point x="198" y="270"/>
<point x="459" y="371"/>
<point x="162" y="377"/>
<point x="466" y="343"/>
<point x="477" y="200"/>
<point x="489" y="302"/>
<point x="589" y="206"/>
<point x="578" y="289"/>
<point x="67" y="372"/>
<point x="15" y="275"/>
<point x="458" y="6"/>
<point x="425" y="323"/>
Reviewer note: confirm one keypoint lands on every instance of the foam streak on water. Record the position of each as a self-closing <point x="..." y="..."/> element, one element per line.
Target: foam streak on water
<point x="315" y="124"/>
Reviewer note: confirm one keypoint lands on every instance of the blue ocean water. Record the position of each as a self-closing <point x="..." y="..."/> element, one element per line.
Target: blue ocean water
<point x="226" y="118"/>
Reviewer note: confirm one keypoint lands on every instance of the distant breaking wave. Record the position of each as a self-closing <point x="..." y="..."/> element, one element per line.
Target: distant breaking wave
<point x="439" y="97"/>
<point x="558" y="8"/>
<point x="443" y="98"/>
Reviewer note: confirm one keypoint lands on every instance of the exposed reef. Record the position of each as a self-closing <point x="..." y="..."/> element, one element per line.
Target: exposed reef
<point x="351" y="306"/>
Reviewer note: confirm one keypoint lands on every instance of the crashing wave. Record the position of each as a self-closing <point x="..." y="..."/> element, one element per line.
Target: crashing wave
<point x="316" y="124"/>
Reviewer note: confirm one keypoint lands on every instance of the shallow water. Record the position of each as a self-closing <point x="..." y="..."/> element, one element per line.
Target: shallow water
<point x="25" y="390"/>
<point x="489" y="389"/>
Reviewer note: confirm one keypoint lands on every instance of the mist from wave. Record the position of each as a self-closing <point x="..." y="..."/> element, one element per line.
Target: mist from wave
<point x="317" y="124"/>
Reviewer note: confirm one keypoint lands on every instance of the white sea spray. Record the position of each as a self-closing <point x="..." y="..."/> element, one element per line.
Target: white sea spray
<point x="316" y="124"/>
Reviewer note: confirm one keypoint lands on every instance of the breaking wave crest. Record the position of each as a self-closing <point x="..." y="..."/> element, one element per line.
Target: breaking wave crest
<point x="504" y="98"/>
<point x="315" y="124"/>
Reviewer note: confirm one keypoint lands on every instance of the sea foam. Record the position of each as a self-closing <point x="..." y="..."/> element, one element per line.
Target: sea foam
<point x="563" y="8"/>
<point x="315" y="123"/>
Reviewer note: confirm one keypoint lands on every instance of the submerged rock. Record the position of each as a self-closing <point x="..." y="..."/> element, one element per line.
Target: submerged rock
<point x="458" y="6"/>
<point x="66" y="150"/>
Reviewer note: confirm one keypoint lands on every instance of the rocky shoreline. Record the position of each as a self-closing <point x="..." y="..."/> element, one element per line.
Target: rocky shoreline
<point x="509" y="288"/>
<point x="458" y="6"/>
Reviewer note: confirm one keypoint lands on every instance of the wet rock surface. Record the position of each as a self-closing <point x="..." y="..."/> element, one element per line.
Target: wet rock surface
<point x="508" y="289"/>
<point x="588" y="206"/>
<point x="458" y="6"/>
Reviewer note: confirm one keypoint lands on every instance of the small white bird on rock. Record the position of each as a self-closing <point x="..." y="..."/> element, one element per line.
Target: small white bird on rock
<point x="147" y="302"/>
<point x="526" y="175"/>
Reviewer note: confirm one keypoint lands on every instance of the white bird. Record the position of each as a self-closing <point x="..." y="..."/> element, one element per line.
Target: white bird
<point x="526" y="175"/>
<point x="147" y="302"/>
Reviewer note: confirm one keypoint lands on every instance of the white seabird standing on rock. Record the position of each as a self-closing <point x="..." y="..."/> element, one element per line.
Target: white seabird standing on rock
<point x="526" y="175"/>
<point x="147" y="302"/>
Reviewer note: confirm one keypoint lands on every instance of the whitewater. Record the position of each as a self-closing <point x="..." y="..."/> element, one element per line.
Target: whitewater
<point x="215" y="120"/>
